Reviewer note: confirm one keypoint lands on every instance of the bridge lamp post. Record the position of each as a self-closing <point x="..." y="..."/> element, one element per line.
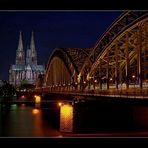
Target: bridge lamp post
<point x="69" y="86"/>
<point x="76" y="84"/>
<point x="59" y="87"/>
<point x="95" y="82"/>
<point x="84" y="83"/>
<point x="64" y="86"/>
<point x="102" y="80"/>
<point x="56" y="87"/>
<point x="90" y="81"/>
<point x="133" y="76"/>
<point x="110" y="81"/>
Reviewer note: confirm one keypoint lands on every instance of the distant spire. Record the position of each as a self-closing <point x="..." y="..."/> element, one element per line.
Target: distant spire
<point x="20" y="55"/>
<point x="32" y="44"/>
<point x="20" y="44"/>
<point x="33" y="54"/>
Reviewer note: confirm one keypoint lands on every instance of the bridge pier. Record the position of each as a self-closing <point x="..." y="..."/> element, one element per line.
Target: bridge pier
<point x="66" y="118"/>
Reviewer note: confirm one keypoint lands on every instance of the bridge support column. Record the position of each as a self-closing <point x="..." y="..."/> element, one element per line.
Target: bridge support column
<point x="66" y="118"/>
<point x="116" y="65"/>
<point x="107" y="71"/>
<point x="127" y="60"/>
<point x="100" y="75"/>
<point x="139" y="56"/>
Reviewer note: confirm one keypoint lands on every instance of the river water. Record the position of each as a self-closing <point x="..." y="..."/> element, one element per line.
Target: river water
<point x="26" y="121"/>
<point x="90" y="117"/>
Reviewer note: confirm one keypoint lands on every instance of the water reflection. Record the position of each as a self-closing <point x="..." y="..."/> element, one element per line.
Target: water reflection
<point x="35" y="111"/>
<point x="25" y="121"/>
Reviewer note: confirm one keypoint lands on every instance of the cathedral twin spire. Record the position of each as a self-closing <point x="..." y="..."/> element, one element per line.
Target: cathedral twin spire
<point x="31" y="57"/>
<point x="20" y="56"/>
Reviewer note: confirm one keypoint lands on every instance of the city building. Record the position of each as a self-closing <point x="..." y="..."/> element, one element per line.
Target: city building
<point x="25" y="68"/>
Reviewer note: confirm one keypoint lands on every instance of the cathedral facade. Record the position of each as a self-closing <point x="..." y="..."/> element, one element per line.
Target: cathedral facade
<point x="26" y="67"/>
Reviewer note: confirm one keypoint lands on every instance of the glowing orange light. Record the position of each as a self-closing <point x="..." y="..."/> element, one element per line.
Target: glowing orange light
<point x="35" y="111"/>
<point x="60" y="104"/>
<point x="133" y="76"/>
<point x="66" y="110"/>
<point x="37" y="99"/>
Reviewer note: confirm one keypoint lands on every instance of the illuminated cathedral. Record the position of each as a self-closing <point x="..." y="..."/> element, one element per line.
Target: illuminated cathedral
<point x="26" y="67"/>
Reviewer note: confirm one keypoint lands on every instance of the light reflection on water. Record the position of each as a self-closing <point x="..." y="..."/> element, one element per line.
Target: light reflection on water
<point x="25" y="121"/>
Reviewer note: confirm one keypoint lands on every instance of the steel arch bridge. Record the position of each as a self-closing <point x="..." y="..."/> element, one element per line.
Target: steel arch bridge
<point x="119" y="59"/>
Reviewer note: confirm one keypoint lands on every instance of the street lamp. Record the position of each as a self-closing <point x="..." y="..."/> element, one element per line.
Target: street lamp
<point x="95" y="82"/>
<point x="133" y="76"/>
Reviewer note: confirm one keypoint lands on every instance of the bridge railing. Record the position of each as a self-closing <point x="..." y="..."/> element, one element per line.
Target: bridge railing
<point x="123" y="93"/>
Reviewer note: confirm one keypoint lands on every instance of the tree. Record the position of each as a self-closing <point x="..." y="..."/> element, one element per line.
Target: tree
<point x="7" y="90"/>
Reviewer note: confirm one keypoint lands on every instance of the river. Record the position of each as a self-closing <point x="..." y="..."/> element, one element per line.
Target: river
<point x="26" y="121"/>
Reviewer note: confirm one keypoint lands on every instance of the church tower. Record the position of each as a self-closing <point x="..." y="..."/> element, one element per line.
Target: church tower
<point x="33" y="55"/>
<point x="26" y="67"/>
<point x="20" y="55"/>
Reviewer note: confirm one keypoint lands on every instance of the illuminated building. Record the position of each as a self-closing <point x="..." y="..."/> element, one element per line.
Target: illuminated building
<point x="25" y="68"/>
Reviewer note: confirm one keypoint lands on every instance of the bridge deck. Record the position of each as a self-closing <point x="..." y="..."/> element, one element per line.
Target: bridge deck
<point x="133" y="93"/>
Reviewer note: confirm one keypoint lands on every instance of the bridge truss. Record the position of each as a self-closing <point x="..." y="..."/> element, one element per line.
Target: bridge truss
<point x="118" y="60"/>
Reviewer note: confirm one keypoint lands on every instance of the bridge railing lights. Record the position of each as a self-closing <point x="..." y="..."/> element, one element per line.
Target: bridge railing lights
<point x="84" y="82"/>
<point x="103" y="78"/>
<point x="76" y="83"/>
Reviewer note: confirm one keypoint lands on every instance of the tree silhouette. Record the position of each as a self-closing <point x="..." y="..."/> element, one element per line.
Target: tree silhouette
<point x="7" y="90"/>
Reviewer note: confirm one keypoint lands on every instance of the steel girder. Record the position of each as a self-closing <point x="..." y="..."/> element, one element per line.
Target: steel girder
<point x="115" y="53"/>
<point x="128" y="44"/>
<point x="127" y="19"/>
<point x="73" y="59"/>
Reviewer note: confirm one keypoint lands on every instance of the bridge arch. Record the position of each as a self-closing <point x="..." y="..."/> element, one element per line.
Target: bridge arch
<point x="64" y="66"/>
<point x="118" y="59"/>
<point x="121" y="53"/>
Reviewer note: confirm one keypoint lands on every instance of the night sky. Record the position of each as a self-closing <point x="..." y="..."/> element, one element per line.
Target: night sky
<point x="74" y="29"/>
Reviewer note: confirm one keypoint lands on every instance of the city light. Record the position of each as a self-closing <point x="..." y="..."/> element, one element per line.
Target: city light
<point x="133" y="76"/>
<point x="23" y="97"/>
<point x="35" y="111"/>
<point x="37" y="99"/>
<point x="76" y="83"/>
<point x="60" y="104"/>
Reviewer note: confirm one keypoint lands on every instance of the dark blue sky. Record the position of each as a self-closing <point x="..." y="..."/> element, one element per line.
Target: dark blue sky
<point x="51" y="29"/>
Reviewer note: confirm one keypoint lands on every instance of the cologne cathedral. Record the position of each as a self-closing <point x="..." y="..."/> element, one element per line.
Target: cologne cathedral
<point x="26" y="67"/>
